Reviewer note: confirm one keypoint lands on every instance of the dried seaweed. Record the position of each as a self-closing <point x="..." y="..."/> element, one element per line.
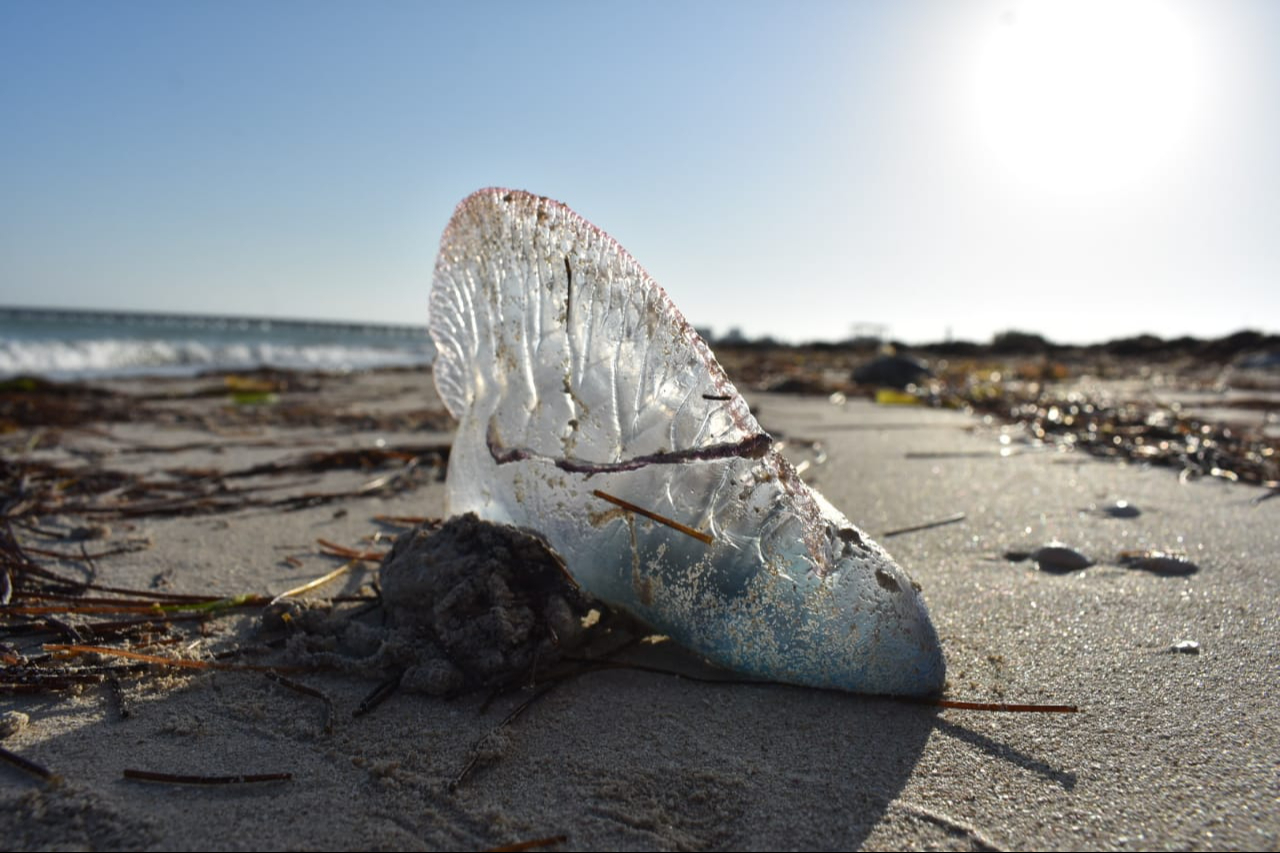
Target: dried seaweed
<point x="224" y="403"/>
<point x="1135" y="431"/>
<point x="30" y="401"/>
<point x="60" y="628"/>
<point x="45" y="605"/>
<point x="1039" y="387"/>
<point x="40" y="487"/>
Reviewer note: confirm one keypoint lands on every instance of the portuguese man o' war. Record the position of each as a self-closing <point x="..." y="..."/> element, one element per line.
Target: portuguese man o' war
<point x="591" y="412"/>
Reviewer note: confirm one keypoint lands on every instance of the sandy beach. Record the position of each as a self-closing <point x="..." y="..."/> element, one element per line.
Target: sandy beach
<point x="1170" y="749"/>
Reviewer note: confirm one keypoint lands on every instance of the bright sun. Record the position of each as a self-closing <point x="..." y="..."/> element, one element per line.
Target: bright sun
<point x="1083" y="97"/>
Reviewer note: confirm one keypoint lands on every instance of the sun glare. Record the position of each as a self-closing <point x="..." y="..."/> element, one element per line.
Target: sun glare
<point x="1085" y="97"/>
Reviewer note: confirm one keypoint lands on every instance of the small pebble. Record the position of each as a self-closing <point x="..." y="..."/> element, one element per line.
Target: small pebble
<point x="1059" y="559"/>
<point x="1122" y="509"/>
<point x="1119" y="509"/>
<point x="1158" y="562"/>
<point x="1185" y="647"/>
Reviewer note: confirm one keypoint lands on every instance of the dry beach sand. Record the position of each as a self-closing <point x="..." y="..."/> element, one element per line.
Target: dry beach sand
<point x="1170" y="749"/>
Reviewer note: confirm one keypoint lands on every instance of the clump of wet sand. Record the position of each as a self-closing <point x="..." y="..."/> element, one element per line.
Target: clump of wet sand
<point x="467" y="604"/>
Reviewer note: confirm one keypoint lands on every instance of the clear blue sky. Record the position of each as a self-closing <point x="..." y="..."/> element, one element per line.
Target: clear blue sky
<point x="1084" y="171"/>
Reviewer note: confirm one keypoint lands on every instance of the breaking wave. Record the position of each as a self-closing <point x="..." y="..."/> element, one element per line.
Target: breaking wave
<point x="84" y="346"/>
<point x="114" y="357"/>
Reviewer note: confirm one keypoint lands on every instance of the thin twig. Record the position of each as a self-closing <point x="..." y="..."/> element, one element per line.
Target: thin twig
<point x="180" y="779"/>
<point x="137" y="593"/>
<point x="380" y="694"/>
<point x="596" y="665"/>
<point x="950" y="519"/>
<point x="307" y="690"/>
<point x="85" y="555"/>
<point x="705" y="538"/>
<point x="28" y="765"/>
<point x="337" y="550"/>
<point x="997" y="707"/>
<point x="507" y="720"/>
<point x="316" y="582"/>
<point x="403" y="520"/>
<point x="178" y="663"/>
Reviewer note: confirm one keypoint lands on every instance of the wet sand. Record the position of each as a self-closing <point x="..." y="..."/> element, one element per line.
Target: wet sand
<point x="1169" y="750"/>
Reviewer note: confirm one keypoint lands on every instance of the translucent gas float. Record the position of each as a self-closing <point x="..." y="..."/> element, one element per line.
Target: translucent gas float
<point x="591" y="412"/>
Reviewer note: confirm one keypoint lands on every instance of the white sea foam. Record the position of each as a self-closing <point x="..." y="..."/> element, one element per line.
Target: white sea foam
<point x="108" y="356"/>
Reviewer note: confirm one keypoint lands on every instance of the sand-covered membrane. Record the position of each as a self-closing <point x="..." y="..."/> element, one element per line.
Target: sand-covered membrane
<point x="1174" y="747"/>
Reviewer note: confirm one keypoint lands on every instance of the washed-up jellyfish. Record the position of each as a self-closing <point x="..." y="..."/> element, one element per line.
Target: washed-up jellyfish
<point x="591" y="412"/>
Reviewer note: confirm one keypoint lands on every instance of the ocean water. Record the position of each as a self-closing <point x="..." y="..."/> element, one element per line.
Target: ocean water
<point x="64" y="344"/>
